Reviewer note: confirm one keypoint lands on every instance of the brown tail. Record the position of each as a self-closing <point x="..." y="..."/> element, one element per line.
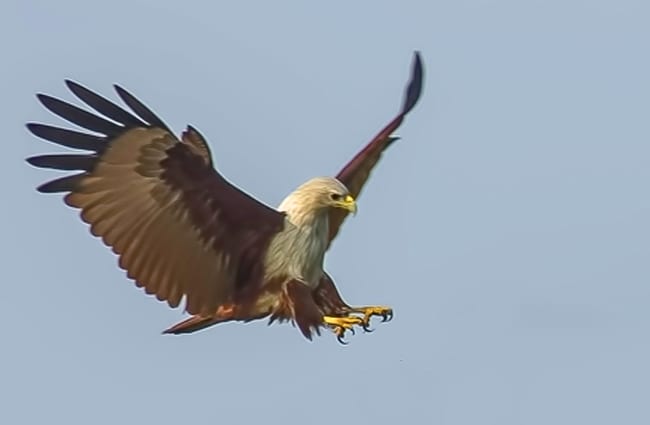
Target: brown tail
<point x="193" y="324"/>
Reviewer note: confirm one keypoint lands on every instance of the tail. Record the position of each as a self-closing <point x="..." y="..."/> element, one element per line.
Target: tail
<point x="193" y="324"/>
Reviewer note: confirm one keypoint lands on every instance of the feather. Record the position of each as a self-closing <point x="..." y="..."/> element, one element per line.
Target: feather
<point x="63" y="162"/>
<point x="68" y="138"/>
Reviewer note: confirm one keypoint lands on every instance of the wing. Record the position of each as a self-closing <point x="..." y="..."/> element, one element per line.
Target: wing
<point x="180" y="229"/>
<point x="355" y="174"/>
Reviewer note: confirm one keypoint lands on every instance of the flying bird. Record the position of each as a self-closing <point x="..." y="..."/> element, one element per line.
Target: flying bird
<point x="182" y="231"/>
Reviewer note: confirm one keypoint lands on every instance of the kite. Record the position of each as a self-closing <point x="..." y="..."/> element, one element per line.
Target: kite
<point x="183" y="232"/>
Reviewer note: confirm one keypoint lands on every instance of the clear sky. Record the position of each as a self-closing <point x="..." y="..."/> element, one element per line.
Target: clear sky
<point x="508" y="228"/>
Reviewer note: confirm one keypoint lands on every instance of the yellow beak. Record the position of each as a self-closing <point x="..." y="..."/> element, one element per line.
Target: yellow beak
<point x="348" y="203"/>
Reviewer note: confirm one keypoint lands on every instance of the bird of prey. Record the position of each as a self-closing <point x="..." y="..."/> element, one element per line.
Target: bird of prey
<point x="182" y="231"/>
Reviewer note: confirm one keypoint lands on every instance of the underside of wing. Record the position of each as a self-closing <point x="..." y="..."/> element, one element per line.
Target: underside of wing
<point x="179" y="228"/>
<point x="356" y="172"/>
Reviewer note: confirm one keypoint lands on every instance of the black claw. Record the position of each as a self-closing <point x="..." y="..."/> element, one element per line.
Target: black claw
<point x="387" y="317"/>
<point x="352" y="330"/>
<point x="341" y="341"/>
<point x="366" y="327"/>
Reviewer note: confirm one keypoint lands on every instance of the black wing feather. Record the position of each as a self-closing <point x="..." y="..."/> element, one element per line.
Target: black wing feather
<point x="80" y="117"/>
<point x="70" y="138"/>
<point x="104" y="106"/>
<point x="63" y="184"/>
<point x="64" y="162"/>
<point x="414" y="89"/>
<point x="140" y="109"/>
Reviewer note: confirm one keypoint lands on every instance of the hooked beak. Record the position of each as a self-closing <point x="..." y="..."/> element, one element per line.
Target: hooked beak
<point x="348" y="203"/>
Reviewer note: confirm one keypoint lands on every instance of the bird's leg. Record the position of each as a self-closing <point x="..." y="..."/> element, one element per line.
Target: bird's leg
<point x="385" y="312"/>
<point x="342" y="324"/>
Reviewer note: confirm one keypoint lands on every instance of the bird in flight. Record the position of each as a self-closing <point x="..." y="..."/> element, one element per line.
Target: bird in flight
<point x="182" y="231"/>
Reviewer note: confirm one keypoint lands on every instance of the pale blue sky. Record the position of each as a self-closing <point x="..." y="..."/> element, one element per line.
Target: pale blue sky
<point x="508" y="228"/>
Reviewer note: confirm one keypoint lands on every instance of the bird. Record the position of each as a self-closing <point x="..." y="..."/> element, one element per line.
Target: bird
<point x="183" y="232"/>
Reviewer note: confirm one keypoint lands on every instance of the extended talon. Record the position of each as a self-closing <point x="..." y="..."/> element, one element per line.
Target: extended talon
<point x="366" y="327"/>
<point x="342" y="324"/>
<point x="366" y="324"/>
<point x="340" y="334"/>
<point x="386" y="314"/>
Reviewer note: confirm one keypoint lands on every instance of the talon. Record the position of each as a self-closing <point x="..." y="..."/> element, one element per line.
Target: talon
<point x="386" y="313"/>
<point x="366" y="324"/>
<point x="366" y="328"/>
<point x="340" y="334"/>
<point x="342" y="324"/>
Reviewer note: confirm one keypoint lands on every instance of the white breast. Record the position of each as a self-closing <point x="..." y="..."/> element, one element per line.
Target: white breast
<point x="298" y="251"/>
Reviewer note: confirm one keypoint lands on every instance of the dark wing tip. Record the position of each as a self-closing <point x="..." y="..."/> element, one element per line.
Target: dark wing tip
<point x="51" y="103"/>
<point x="414" y="89"/>
<point x="80" y="91"/>
<point x="63" y="161"/>
<point x="140" y="108"/>
<point x="73" y="85"/>
<point x="34" y="128"/>
<point x="33" y="160"/>
<point x="45" y="99"/>
<point x="121" y="91"/>
<point x="63" y="184"/>
<point x="65" y="137"/>
<point x="391" y="140"/>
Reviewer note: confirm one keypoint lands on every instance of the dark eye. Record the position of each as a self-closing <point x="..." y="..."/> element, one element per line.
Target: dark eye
<point x="336" y="197"/>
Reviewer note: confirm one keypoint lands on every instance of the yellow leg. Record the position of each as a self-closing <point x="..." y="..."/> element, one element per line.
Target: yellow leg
<point x="342" y="324"/>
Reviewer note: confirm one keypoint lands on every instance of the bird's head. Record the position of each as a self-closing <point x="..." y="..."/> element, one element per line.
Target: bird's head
<point x="319" y="194"/>
<point x="328" y="192"/>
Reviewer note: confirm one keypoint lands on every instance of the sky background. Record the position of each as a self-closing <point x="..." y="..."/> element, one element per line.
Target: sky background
<point x="508" y="228"/>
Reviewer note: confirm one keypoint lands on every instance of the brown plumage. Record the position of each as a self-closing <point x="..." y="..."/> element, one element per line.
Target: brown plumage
<point x="183" y="232"/>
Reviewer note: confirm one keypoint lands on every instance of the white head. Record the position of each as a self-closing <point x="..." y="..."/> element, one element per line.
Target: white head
<point x="316" y="197"/>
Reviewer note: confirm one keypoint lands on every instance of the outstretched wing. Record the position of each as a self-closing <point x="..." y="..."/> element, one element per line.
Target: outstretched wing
<point x="179" y="228"/>
<point x="355" y="174"/>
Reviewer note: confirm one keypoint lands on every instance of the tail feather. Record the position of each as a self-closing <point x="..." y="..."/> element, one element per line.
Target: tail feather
<point x="193" y="324"/>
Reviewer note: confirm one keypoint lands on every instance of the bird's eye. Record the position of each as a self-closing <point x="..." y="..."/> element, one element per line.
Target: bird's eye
<point x="336" y="197"/>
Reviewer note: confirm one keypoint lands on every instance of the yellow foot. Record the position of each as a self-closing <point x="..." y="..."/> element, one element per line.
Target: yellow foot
<point x="385" y="312"/>
<point x="342" y="324"/>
